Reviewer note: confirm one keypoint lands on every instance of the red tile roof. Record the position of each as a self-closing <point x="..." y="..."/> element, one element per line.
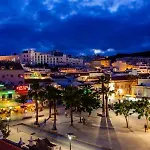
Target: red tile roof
<point x="7" y="146"/>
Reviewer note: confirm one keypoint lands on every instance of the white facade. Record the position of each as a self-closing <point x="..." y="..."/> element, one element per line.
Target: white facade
<point x="143" y="68"/>
<point x="142" y="89"/>
<point x="33" y="57"/>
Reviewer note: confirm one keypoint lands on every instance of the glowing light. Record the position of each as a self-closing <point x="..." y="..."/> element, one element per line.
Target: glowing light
<point x="10" y="92"/>
<point x="120" y="91"/>
<point x="1" y="85"/>
<point x="70" y="138"/>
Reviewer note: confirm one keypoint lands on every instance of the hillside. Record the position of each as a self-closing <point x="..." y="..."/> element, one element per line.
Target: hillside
<point x="137" y="54"/>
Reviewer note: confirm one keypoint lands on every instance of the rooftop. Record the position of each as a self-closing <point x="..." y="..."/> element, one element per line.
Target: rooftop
<point x="5" y="65"/>
<point x="124" y="77"/>
<point x="6" y="145"/>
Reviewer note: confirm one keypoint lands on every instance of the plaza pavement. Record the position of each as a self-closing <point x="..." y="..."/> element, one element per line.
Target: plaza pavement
<point x="100" y="133"/>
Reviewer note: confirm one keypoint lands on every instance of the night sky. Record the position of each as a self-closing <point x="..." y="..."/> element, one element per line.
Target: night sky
<point x="76" y="27"/>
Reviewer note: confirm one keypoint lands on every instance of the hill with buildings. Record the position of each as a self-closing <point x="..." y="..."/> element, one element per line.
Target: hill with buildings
<point x="137" y="54"/>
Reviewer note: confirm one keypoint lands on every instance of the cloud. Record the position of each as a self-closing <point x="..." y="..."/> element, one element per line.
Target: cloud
<point x="98" y="51"/>
<point x="110" y="50"/>
<point x="75" y="26"/>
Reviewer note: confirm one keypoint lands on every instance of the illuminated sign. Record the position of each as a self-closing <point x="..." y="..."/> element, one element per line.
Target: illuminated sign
<point x="22" y="89"/>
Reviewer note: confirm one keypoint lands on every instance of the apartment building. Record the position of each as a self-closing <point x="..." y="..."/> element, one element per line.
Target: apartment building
<point x="11" y="72"/>
<point x="32" y="57"/>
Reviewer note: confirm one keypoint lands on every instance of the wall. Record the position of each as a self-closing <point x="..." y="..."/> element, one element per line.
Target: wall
<point x="14" y="76"/>
<point x="122" y="66"/>
<point x="141" y="91"/>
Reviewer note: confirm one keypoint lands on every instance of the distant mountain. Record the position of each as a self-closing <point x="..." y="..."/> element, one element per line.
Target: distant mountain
<point x="137" y="54"/>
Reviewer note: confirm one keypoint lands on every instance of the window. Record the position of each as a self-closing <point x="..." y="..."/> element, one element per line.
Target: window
<point x="20" y="75"/>
<point x="20" y="82"/>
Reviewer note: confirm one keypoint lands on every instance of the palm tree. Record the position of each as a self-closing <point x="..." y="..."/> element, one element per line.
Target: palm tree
<point x="42" y="96"/>
<point x="69" y="98"/>
<point x="52" y="94"/>
<point x="108" y="93"/>
<point x="79" y="102"/>
<point x="103" y="80"/>
<point x="49" y="98"/>
<point x="34" y="94"/>
<point x="86" y="100"/>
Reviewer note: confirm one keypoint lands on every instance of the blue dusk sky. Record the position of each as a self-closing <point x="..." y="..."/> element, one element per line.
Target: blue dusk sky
<point x="75" y="27"/>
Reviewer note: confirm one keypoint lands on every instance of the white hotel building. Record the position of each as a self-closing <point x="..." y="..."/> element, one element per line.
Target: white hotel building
<point x="32" y="57"/>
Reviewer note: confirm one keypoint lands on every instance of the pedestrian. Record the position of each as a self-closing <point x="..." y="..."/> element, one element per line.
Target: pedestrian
<point x="83" y="120"/>
<point x="145" y="127"/>
<point x="45" y="121"/>
<point x="65" y="114"/>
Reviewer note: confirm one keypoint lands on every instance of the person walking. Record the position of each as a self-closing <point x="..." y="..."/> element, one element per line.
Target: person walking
<point x="45" y="122"/>
<point x="65" y="114"/>
<point x="83" y="120"/>
<point x="145" y="127"/>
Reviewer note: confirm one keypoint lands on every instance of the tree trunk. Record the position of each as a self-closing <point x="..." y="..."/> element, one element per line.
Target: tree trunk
<point x="80" y="118"/>
<point x="50" y="109"/>
<point x="54" y="123"/>
<point x="103" y="99"/>
<point x="37" y="112"/>
<point x="89" y="114"/>
<point x="71" y="115"/>
<point x="147" y="122"/>
<point x="107" y="111"/>
<point x="127" y="122"/>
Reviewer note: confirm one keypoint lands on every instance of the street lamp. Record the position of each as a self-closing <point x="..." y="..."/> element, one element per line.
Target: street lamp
<point x="8" y="119"/>
<point x="70" y="137"/>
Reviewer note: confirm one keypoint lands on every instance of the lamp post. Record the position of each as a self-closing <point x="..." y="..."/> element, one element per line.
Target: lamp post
<point x="70" y="137"/>
<point x="8" y="119"/>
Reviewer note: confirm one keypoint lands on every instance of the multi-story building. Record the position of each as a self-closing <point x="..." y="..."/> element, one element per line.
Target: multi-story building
<point x="123" y="85"/>
<point x="32" y="57"/>
<point x="121" y="66"/>
<point x="134" y="60"/>
<point x="100" y="62"/>
<point x="143" y="68"/>
<point x="14" y="58"/>
<point x="11" y="72"/>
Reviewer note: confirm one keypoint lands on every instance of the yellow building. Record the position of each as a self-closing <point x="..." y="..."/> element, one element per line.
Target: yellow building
<point x="105" y="62"/>
<point x="122" y="66"/>
<point x="100" y="63"/>
<point x="123" y="85"/>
